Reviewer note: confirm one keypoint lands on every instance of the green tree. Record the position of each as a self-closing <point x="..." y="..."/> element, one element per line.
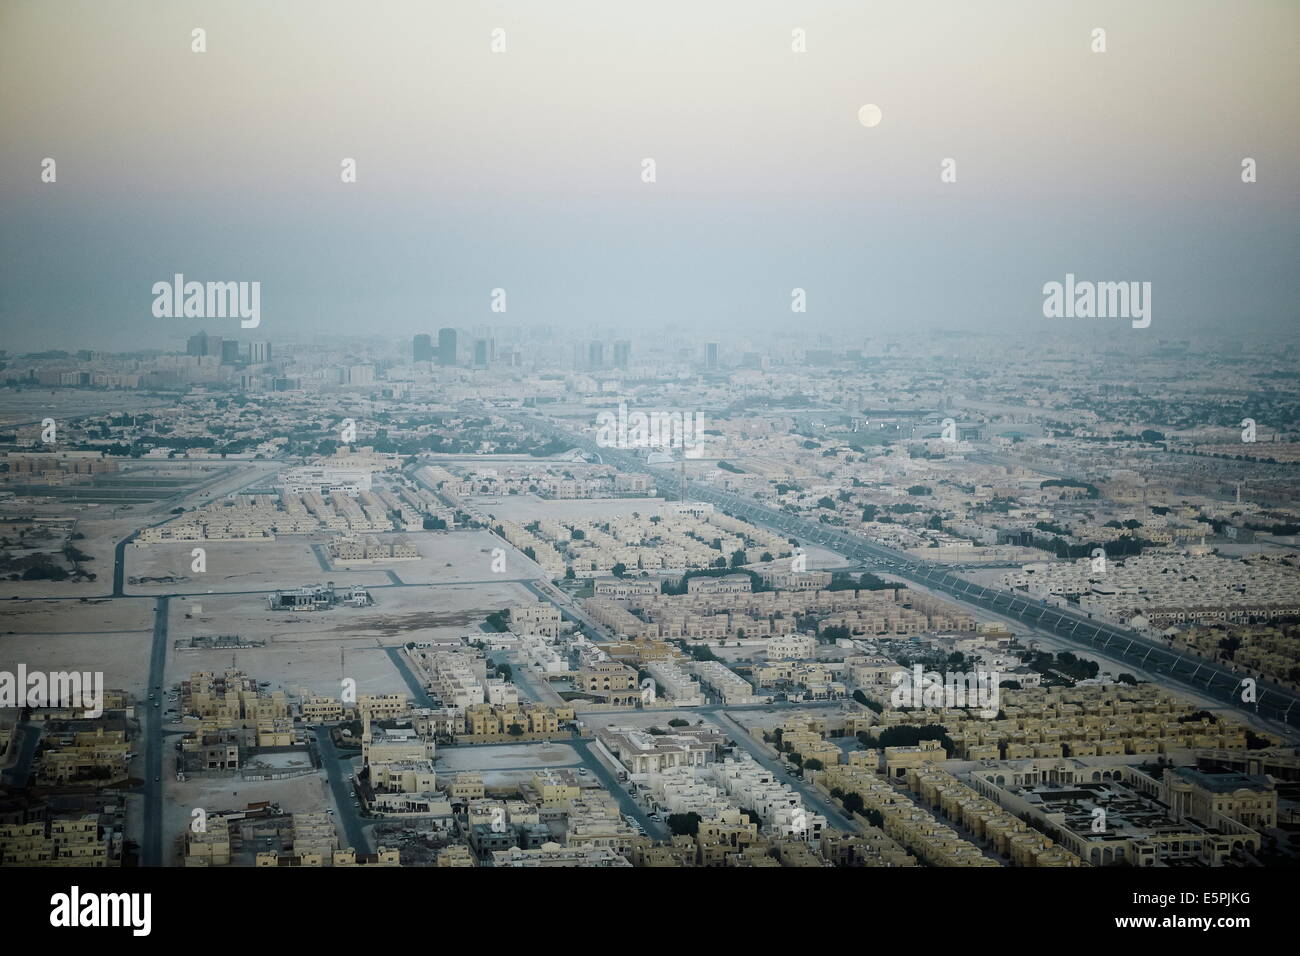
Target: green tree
<point x="684" y="824"/>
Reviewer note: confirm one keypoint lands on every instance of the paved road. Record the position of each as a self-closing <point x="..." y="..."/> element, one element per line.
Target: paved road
<point x="151" y="721"/>
<point x="1052" y="641"/>
<point x="145" y="404"/>
<point x="718" y="716"/>
<point x="418" y="693"/>
<point x="119" y="550"/>
<point x="811" y="798"/>
<point x="317" y="550"/>
<point x="119" y="563"/>
<point x="1273" y="702"/>
<point x="656" y="831"/>
<point x="17" y="774"/>
<point x="339" y="771"/>
<point x="535" y="687"/>
<point x="1160" y="463"/>
<point x="570" y="610"/>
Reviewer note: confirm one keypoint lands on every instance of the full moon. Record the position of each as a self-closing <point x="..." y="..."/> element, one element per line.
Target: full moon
<point x="870" y="115"/>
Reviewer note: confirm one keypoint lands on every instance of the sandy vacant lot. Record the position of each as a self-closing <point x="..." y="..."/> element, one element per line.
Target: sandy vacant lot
<point x="122" y="658"/>
<point x="449" y="557"/>
<point x="508" y="767"/>
<point x="298" y="667"/>
<point x="287" y="562"/>
<point x="293" y="561"/>
<point x="758" y="721"/>
<point x="395" y="612"/>
<point x="101" y="537"/>
<point x="314" y="651"/>
<point x="526" y="756"/>
<point x="94" y="615"/>
<point x="295" y="795"/>
<point x="109" y="636"/>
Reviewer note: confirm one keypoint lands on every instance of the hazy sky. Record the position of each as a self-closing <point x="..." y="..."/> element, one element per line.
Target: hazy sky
<point x="522" y="169"/>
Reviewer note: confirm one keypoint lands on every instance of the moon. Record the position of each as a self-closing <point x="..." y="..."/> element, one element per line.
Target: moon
<point x="870" y="115"/>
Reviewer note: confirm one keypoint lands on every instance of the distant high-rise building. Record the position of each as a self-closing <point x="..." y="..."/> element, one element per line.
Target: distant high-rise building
<point x="229" y="352"/>
<point x="446" y="346"/>
<point x="596" y="355"/>
<point x="361" y="375"/>
<point x="259" y="353"/>
<point x="422" y="349"/>
<point x="622" y="354"/>
<point x="197" y="345"/>
<point x="481" y="354"/>
<point x="711" y="355"/>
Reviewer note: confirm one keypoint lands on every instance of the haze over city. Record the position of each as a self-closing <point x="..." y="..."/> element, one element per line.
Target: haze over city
<point x="521" y="169"/>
